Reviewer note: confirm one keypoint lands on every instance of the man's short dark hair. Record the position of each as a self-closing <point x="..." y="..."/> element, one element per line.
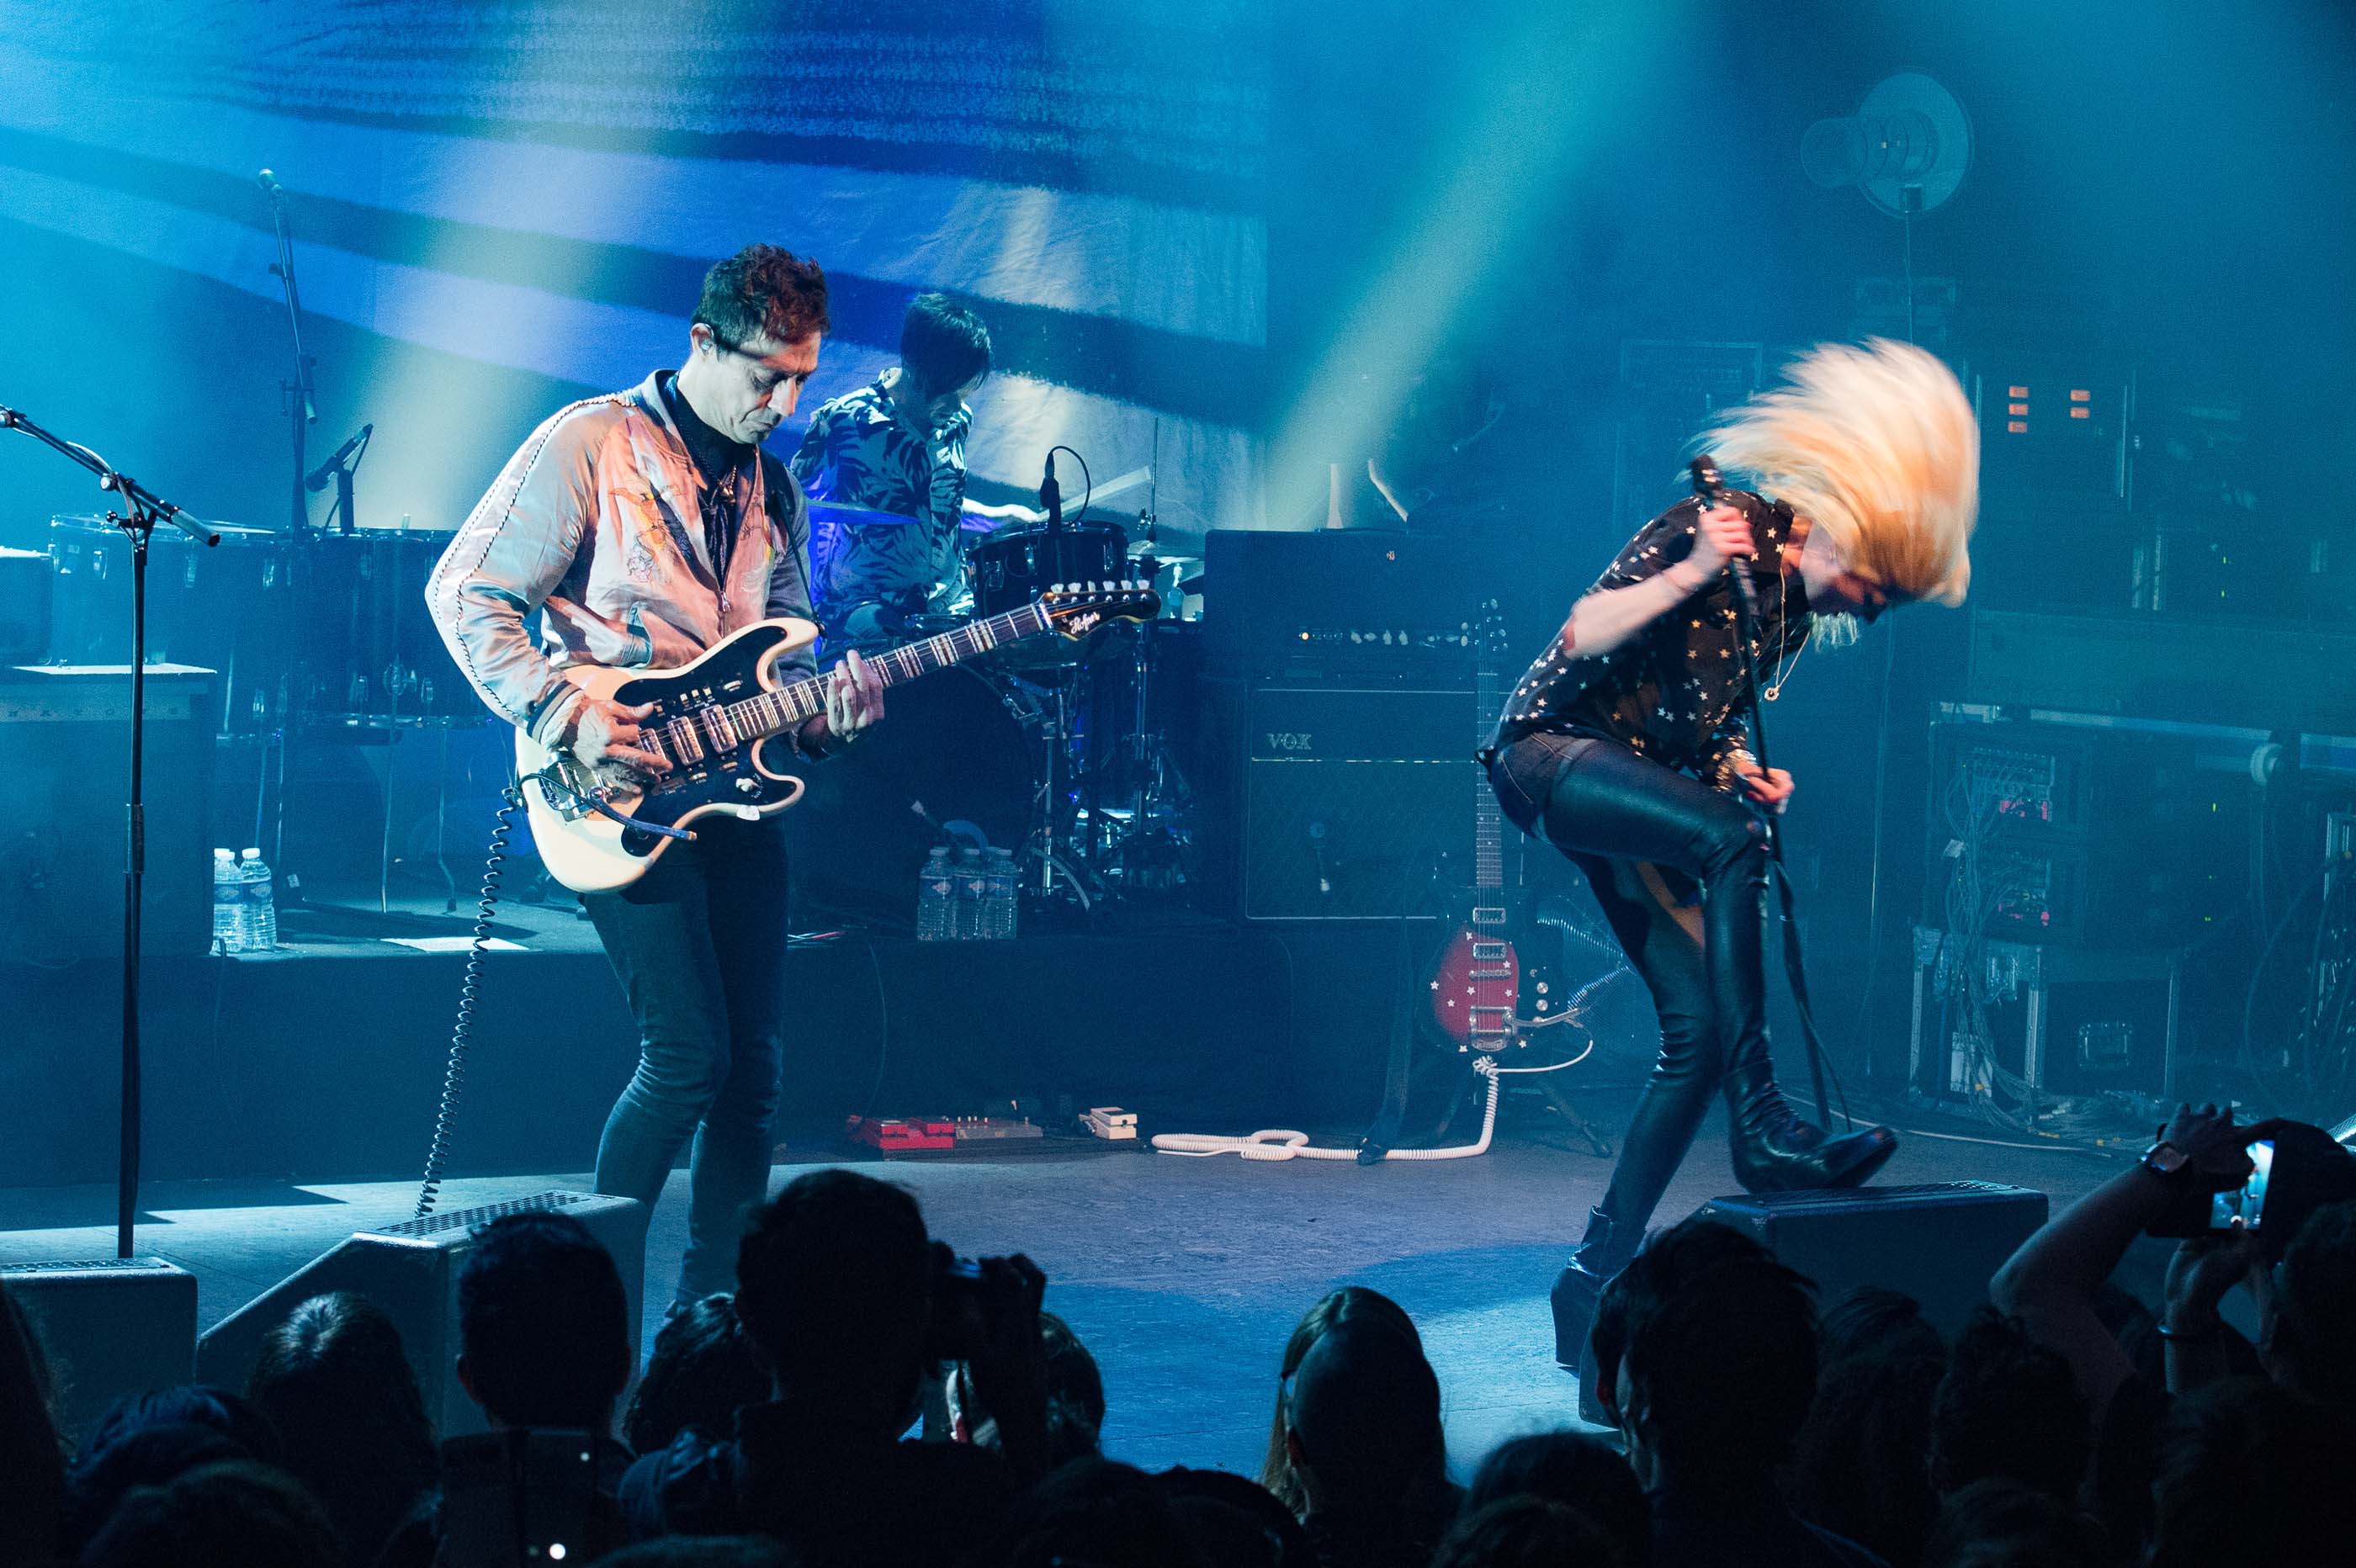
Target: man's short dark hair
<point x="1720" y="1349"/>
<point x="836" y="1271"/>
<point x="942" y="343"/>
<point x="763" y="289"/>
<point x="543" y="1322"/>
<point x="2009" y="1406"/>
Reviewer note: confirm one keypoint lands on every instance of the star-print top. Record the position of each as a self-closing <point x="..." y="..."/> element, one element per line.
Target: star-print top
<point x="1674" y="691"/>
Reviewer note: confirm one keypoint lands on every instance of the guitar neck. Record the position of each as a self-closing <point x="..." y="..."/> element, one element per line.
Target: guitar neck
<point x="1488" y="824"/>
<point x="796" y="702"/>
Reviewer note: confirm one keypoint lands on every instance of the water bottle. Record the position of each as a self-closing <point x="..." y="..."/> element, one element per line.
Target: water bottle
<point x="261" y="905"/>
<point x="972" y="895"/>
<point x="936" y="895"/>
<point x="1003" y="896"/>
<point x="229" y="903"/>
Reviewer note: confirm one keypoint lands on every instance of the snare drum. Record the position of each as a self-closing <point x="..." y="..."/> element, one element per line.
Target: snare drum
<point x="1014" y="566"/>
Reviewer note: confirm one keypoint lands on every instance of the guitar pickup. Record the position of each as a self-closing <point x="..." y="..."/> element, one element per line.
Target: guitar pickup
<point x="1488" y="917"/>
<point x="1489" y="950"/>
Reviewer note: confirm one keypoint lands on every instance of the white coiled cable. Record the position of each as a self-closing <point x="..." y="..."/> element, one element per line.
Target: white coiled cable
<point x="1281" y="1144"/>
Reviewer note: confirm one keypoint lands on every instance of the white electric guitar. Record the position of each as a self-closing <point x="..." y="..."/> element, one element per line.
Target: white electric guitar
<point x="719" y="722"/>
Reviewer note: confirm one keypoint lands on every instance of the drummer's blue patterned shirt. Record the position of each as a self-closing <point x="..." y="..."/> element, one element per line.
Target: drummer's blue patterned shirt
<point x="860" y="451"/>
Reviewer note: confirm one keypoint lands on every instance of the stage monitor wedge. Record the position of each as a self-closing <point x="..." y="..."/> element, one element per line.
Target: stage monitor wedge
<point x="411" y="1270"/>
<point x="112" y="1329"/>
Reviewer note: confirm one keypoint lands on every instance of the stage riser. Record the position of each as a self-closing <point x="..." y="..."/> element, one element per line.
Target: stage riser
<point x="326" y="1067"/>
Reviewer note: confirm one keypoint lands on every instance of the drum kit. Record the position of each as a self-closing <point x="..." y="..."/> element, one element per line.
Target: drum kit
<point x="1061" y="751"/>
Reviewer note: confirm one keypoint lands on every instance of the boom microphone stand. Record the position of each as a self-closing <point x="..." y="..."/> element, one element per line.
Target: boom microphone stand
<point x="301" y="405"/>
<point x="141" y="511"/>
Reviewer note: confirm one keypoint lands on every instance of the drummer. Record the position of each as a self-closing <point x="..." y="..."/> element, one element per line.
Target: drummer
<point x="894" y="450"/>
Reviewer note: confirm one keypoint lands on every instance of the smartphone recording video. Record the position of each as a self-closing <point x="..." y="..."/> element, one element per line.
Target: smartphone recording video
<point x="2242" y="1208"/>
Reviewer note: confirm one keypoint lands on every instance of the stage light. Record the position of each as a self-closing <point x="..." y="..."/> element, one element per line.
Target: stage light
<point x="1906" y="148"/>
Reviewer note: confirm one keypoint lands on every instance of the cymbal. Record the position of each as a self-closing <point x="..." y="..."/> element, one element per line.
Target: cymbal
<point x="856" y="517"/>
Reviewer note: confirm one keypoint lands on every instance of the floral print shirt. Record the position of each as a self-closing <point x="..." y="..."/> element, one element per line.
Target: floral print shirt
<point x="862" y="451"/>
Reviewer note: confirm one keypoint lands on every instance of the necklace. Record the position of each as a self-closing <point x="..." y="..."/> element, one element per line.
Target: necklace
<point x="1775" y="689"/>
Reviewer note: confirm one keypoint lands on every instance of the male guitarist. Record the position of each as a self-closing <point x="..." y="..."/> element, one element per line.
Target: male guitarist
<point x="643" y="527"/>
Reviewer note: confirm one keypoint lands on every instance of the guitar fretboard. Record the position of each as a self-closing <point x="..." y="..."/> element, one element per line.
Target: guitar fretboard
<point x="1488" y="827"/>
<point x="724" y="726"/>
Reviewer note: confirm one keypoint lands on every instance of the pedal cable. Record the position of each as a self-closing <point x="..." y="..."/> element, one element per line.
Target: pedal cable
<point x="454" y="1075"/>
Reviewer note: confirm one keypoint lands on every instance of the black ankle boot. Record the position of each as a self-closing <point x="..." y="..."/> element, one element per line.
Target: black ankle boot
<point x="1775" y="1151"/>
<point x="1601" y="1253"/>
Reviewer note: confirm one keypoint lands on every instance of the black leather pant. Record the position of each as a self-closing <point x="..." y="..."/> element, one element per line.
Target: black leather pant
<point x="1644" y="834"/>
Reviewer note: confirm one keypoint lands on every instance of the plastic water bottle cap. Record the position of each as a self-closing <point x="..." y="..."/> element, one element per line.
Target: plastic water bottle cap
<point x="253" y="854"/>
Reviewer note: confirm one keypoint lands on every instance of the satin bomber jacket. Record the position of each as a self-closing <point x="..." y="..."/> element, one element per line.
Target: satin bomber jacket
<point x="596" y="523"/>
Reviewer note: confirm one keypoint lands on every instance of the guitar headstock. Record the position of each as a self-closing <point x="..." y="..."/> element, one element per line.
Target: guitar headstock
<point x="1489" y="638"/>
<point x="1075" y="609"/>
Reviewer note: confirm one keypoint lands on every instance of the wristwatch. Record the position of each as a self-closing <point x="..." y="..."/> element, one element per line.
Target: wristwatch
<point x="2164" y="1159"/>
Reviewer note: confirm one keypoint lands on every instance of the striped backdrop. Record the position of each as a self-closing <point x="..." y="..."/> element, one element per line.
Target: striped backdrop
<point x="539" y="186"/>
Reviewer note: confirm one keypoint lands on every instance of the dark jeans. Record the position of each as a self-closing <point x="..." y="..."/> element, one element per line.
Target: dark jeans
<point x="1643" y="833"/>
<point x="698" y="943"/>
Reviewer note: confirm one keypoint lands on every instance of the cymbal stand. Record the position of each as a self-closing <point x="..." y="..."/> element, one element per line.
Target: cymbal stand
<point x="1060" y="862"/>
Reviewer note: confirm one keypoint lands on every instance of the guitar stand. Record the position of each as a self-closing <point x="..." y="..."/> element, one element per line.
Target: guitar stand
<point x="1580" y="1127"/>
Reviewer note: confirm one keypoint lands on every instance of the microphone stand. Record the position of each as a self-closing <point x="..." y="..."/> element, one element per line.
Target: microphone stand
<point x="142" y="510"/>
<point x="299" y="396"/>
<point x="1709" y="487"/>
<point x="302" y="406"/>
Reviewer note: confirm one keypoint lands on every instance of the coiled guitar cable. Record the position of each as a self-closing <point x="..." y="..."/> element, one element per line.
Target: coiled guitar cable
<point x="454" y="1076"/>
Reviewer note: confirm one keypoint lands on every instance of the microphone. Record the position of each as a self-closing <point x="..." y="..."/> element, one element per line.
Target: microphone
<point x="1051" y="495"/>
<point x="318" y="478"/>
<point x="1317" y="849"/>
<point x="1709" y="486"/>
<point x="270" y="184"/>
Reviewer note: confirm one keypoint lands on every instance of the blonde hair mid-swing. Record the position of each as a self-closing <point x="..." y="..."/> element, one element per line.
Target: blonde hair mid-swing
<point x="1878" y="447"/>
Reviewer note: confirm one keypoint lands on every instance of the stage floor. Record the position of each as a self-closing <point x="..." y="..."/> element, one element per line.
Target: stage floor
<point x="1184" y="1276"/>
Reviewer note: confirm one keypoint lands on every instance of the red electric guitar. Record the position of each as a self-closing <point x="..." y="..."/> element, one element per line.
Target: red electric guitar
<point x="1483" y="994"/>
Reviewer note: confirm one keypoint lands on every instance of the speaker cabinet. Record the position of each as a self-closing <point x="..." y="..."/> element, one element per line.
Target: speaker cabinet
<point x="1346" y="800"/>
<point x="411" y="1270"/>
<point x="66" y="730"/>
<point x="24" y="606"/>
<point x="111" y="1327"/>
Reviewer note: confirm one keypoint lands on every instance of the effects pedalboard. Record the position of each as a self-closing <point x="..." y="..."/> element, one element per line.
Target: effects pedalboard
<point x="933" y="1135"/>
<point x="938" y="1134"/>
